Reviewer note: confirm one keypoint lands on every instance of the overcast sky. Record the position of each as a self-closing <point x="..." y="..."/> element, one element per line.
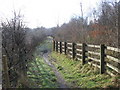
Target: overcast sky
<point x="47" y="13"/>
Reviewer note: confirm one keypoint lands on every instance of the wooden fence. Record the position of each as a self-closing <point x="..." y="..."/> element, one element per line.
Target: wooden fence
<point x="106" y="58"/>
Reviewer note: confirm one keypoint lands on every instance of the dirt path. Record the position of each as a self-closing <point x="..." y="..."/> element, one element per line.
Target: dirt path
<point x="60" y="80"/>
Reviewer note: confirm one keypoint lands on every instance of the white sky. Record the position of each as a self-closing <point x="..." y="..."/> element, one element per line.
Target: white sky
<point x="47" y="13"/>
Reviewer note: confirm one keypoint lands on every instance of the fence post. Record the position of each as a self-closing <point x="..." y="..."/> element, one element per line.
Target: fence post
<point x="5" y="68"/>
<point x="60" y="47"/>
<point x="102" y="58"/>
<point x="73" y="50"/>
<point x="56" y="46"/>
<point x="53" y="45"/>
<point x="65" y="47"/>
<point x="83" y="53"/>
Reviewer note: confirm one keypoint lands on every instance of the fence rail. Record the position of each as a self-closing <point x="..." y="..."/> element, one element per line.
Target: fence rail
<point x="96" y="56"/>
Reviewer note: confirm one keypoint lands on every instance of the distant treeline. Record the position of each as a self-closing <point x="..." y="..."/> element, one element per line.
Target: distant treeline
<point x="102" y="29"/>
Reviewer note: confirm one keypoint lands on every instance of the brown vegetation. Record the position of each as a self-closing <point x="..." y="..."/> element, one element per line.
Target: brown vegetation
<point x="103" y="29"/>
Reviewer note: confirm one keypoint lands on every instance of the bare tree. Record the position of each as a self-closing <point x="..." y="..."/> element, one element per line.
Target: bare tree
<point x="13" y="46"/>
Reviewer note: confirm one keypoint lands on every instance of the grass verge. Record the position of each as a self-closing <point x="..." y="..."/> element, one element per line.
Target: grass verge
<point x="41" y="74"/>
<point x="82" y="76"/>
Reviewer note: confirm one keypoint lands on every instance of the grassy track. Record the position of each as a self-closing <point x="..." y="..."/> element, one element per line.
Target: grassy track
<point x="41" y="74"/>
<point x="85" y="76"/>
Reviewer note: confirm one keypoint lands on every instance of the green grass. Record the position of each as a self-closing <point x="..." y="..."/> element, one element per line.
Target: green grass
<point x="46" y="45"/>
<point x="41" y="74"/>
<point x="83" y="76"/>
